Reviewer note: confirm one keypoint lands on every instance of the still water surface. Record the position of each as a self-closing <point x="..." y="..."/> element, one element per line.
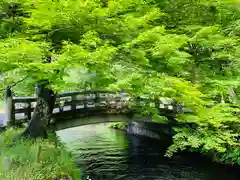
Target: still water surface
<point x="106" y="154"/>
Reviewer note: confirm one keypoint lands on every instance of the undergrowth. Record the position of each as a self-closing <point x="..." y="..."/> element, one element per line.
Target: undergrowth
<point x="34" y="160"/>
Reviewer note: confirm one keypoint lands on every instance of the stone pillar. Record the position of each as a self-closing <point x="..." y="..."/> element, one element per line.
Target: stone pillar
<point x="9" y="108"/>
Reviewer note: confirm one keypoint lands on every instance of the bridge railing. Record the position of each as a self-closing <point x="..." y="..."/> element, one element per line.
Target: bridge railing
<point x="20" y="109"/>
<point x="72" y="104"/>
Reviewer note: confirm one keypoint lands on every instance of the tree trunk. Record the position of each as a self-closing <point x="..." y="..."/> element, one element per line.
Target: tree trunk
<point x="42" y="114"/>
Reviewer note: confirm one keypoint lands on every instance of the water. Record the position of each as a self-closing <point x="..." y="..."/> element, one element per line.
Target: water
<point x="106" y="154"/>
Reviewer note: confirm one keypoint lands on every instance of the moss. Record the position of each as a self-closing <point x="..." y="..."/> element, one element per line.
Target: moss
<point x="39" y="159"/>
<point x="119" y="125"/>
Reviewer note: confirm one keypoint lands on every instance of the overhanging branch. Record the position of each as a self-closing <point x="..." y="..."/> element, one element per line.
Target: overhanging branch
<point x="11" y="86"/>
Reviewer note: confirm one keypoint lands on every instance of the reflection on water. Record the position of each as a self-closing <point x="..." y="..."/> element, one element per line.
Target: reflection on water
<point x="106" y="154"/>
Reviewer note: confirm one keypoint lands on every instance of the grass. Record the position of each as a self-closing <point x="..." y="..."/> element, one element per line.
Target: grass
<point x="118" y="125"/>
<point x="34" y="160"/>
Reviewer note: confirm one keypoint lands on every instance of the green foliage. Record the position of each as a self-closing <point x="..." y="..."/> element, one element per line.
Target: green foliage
<point x="230" y="157"/>
<point x="217" y="133"/>
<point x="118" y="125"/>
<point x="159" y="119"/>
<point x="181" y="49"/>
<point x="202" y="139"/>
<point x="21" y="161"/>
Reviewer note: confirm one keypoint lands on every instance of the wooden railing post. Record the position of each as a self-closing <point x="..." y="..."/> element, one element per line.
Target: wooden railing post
<point x="73" y="104"/>
<point x="85" y="102"/>
<point x="9" y="107"/>
<point x="97" y="99"/>
<point x="157" y="103"/>
<point x="29" y="111"/>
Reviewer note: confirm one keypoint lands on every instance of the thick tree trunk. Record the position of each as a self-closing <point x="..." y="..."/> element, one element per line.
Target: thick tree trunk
<point x="42" y="114"/>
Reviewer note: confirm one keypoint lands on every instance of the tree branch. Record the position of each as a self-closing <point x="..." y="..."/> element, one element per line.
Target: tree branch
<point x="11" y="86"/>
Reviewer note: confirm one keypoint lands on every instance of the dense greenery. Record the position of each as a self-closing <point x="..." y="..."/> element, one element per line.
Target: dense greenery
<point x="183" y="49"/>
<point x="25" y="160"/>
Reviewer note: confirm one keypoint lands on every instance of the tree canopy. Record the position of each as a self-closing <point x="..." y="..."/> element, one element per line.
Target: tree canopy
<point x="183" y="49"/>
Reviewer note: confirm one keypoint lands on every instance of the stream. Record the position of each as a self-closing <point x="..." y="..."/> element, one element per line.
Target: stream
<point x="106" y="154"/>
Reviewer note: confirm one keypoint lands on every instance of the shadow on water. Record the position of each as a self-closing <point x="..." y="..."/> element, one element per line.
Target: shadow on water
<point x="106" y="154"/>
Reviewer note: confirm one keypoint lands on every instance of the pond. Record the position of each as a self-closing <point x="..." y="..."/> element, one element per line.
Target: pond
<point x="106" y="154"/>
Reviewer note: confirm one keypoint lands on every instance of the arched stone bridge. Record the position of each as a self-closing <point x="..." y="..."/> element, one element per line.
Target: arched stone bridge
<point x="82" y="107"/>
